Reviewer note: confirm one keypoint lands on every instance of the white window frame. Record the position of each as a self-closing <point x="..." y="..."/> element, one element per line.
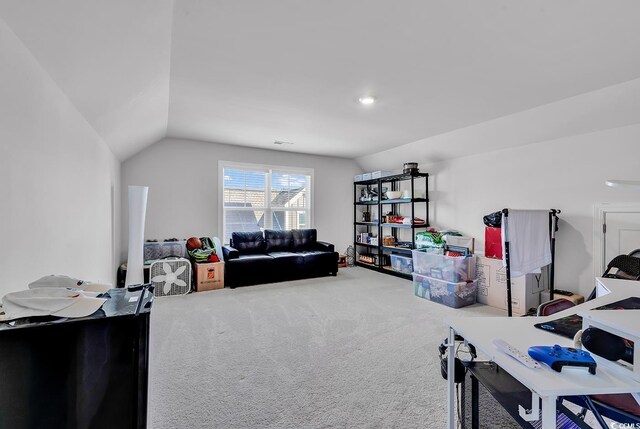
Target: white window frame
<point x="268" y="169"/>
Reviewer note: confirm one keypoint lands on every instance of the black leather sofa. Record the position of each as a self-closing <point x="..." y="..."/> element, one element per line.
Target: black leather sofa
<point x="253" y="258"/>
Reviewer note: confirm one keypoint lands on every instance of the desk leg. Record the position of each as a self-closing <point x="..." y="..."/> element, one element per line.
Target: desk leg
<point x="549" y="412"/>
<point x="451" y="344"/>
<point x="475" y="403"/>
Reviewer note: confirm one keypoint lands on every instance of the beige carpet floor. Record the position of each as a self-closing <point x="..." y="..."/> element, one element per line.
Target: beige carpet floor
<point x="354" y="351"/>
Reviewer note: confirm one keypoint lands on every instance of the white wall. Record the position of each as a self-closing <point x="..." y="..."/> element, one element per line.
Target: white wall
<point x="56" y="177"/>
<point x="182" y="176"/>
<point x="567" y="173"/>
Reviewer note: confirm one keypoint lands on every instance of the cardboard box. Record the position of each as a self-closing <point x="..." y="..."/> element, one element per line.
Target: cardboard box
<point x="367" y="176"/>
<point x="358" y="178"/>
<point x="575" y="298"/>
<point x="493" y="242"/>
<point x="492" y="286"/>
<point x="342" y="261"/>
<point x="209" y="276"/>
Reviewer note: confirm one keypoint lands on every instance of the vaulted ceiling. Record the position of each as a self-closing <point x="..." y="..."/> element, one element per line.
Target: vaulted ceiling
<point x="248" y="72"/>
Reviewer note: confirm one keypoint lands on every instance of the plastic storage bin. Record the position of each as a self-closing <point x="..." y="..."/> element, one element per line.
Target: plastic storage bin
<point x="404" y="264"/>
<point x="449" y="268"/>
<point x="451" y="294"/>
<point x="421" y="286"/>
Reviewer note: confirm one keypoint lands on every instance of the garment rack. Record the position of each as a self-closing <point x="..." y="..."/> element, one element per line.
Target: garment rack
<point x="553" y="227"/>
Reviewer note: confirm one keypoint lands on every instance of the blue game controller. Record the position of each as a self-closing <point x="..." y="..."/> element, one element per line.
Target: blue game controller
<point x="557" y="357"/>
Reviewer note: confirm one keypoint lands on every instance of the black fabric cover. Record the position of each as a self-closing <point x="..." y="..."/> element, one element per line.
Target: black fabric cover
<point x="278" y="241"/>
<point x="247" y="243"/>
<point x="493" y="219"/>
<point x="304" y="239"/>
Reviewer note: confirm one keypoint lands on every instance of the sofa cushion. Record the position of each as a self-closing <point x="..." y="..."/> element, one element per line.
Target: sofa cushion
<point x="256" y="258"/>
<point x="278" y="241"/>
<point x="249" y="269"/>
<point x="288" y="259"/>
<point x="304" y="239"/>
<point x="247" y="243"/>
<point x="318" y="257"/>
<point x="251" y="262"/>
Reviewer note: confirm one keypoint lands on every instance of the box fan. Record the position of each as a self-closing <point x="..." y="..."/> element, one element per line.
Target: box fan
<point x="171" y="276"/>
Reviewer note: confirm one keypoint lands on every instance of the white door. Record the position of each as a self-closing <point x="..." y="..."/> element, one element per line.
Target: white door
<point x="621" y="233"/>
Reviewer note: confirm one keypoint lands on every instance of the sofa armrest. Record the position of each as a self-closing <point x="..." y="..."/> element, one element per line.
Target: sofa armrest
<point x="230" y="253"/>
<point x="323" y="245"/>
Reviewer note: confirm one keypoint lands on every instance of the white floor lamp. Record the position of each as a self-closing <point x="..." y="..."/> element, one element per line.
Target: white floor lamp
<point x="137" y="214"/>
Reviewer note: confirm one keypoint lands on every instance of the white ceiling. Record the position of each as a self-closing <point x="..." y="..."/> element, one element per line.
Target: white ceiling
<point x="111" y="58"/>
<point x="252" y="71"/>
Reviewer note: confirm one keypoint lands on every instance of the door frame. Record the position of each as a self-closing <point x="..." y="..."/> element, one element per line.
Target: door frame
<point x="599" y="242"/>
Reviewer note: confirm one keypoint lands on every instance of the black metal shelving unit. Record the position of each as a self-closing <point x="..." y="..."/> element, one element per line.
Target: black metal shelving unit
<point x="379" y="250"/>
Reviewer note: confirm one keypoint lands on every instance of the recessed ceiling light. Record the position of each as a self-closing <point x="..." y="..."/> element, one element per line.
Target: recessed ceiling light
<point x="281" y="142"/>
<point x="367" y="99"/>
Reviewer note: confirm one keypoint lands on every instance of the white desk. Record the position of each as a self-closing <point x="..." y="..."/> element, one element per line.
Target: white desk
<point x="544" y="382"/>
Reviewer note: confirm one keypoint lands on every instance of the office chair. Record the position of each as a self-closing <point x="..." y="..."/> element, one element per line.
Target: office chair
<point x="626" y="266"/>
<point x="621" y="408"/>
<point x="555" y="305"/>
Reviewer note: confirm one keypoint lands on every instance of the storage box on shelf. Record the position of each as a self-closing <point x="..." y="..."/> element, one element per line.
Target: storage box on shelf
<point x="367" y="258"/>
<point x="378" y="174"/>
<point x="403" y="264"/>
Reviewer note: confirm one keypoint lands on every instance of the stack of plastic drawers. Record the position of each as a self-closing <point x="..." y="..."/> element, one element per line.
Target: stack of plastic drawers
<point x="448" y="280"/>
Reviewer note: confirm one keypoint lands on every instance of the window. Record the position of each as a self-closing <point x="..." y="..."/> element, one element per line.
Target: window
<point x="258" y="197"/>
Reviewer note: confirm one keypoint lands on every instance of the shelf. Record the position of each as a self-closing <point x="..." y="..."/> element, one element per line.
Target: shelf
<point x="365" y="244"/>
<point x="397" y="249"/>
<point x="399" y="177"/>
<point x="367" y="182"/>
<point x="396" y="205"/>
<point x="401" y="225"/>
<point x="404" y="201"/>
<point x="393" y="178"/>
<point x="365" y="265"/>
<point x="388" y="269"/>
